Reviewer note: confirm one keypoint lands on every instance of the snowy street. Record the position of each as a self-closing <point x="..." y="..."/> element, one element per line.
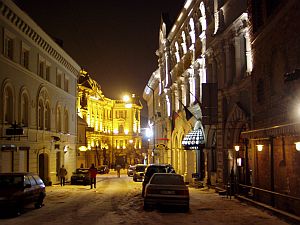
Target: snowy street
<point x="118" y="201"/>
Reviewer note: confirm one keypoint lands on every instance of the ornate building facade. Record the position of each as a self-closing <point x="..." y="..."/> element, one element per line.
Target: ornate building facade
<point x="38" y="81"/>
<point x="201" y="88"/>
<point x="113" y="131"/>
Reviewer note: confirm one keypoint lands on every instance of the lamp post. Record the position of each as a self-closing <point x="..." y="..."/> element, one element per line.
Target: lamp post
<point x="153" y="111"/>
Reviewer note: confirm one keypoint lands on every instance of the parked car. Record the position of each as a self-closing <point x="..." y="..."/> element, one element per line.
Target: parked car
<point x="103" y="169"/>
<point x="20" y="189"/>
<point x="130" y="170"/>
<point x="166" y="189"/>
<point x="81" y="176"/>
<point x="139" y="172"/>
<point x="155" y="168"/>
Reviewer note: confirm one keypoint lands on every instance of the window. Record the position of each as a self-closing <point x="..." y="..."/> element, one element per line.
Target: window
<point x="8" y="105"/>
<point x="58" y="119"/>
<point x="47" y="116"/>
<point x="24" y="109"/>
<point x="48" y="72"/>
<point x="58" y="79"/>
<point x="66" y="84"/>
<point x="66" y="119"/>
<point x="41" y="68"/>
<point x="8" y="47"/>
<point x="25" y="58"/>
<point x="41" y="115"/>
<point x="121" y="129"/>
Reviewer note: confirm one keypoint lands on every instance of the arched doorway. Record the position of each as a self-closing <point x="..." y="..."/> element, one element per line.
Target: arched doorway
<point x="44" y="167"/>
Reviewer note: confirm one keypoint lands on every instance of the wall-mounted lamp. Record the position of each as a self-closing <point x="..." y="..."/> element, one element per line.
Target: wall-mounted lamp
<point x="66" y="148"/>
<point x="297" y="146"/>
<point x="82" y="148"/>
<point x="237" y="148"/>
<point x="260" y="147"/>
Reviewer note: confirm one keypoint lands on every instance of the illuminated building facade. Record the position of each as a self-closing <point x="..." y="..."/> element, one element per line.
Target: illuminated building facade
<point x="38" y="98"/>
<point x="201" y="88"/>
<point x="274" y="135"/>
<point x="113" y="132"/>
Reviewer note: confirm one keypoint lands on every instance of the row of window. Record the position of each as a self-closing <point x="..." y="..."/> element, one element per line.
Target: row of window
<point x="44" y="69"/>
<point x="43" y="116"/>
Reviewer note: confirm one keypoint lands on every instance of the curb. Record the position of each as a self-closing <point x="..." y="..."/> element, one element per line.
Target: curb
<point x="288" y="217"/>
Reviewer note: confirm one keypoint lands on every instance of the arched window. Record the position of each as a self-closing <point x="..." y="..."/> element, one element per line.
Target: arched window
<point x="43" y="110"/>
<point x="8" y="105"/>
<point x="41" y="115"/>
<point x="24" y="109"/>
<point x="58" y="119"/>
<point x="66" y="121"/>
<point x="47" y="117"/>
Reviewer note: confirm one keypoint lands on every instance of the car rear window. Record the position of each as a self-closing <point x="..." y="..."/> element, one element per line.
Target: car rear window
<point x="38" y="179"/>
<point x="11" y="181"/>
<point x="32" y="180"/>
<point x="140" y="168"/>
<point x="167" y="179"/>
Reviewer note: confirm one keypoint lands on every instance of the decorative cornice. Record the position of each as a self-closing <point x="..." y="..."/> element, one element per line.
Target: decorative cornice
<point x="28" y="31"/>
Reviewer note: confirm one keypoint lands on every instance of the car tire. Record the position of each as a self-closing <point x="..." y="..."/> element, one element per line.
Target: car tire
<point x="146" y="206"/>
<point x="18" y="209"/>
<point x="186" y="208"/>
<point x="39" y="203"/>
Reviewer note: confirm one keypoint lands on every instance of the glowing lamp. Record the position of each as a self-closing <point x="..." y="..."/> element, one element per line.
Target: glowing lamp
<point x="297" y="146"/>
<point x="82" y="148"/>
<point x="260" y="147"/>
<point x="237" y="148"/>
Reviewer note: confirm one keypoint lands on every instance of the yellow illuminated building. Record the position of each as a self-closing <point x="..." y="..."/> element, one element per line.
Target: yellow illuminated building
<point x="112" y="133"/>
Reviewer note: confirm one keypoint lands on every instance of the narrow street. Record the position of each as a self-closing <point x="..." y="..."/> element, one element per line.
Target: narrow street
<point x="118" y="201"/>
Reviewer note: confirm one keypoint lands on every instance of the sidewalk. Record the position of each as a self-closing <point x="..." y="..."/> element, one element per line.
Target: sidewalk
<point x="289" y="218"/>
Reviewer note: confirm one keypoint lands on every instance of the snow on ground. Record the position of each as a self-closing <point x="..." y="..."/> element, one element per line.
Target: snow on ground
<point x="118" y="201"/>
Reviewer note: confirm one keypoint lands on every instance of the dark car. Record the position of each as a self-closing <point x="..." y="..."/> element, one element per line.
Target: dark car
<point x="167" y="189"/>
<point x="103" y="169"/>
<point x="20" y="189"/>
<point x="81" y="176"/>
<point x="130" y="170"/>
<point x="155" y="168"/>
<point x="139" y="172"/>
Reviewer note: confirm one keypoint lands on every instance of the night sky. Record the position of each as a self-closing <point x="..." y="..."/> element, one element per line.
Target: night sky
<point x="114" y="40"/>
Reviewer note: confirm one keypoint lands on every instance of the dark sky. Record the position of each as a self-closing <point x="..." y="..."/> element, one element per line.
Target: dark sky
<point x="114" y="40"/>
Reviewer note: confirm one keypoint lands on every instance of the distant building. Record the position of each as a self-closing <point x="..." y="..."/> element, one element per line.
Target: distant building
<point x="38" y="118"/>
<point x="113" y="132"/>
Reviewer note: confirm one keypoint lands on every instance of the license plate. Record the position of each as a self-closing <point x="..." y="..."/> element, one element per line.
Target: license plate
<point x="167" y="192"/>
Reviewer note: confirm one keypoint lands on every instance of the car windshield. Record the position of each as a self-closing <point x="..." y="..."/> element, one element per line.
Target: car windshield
<point x="167" y="179"/>
<point x="82" y="171"/>
<point x="140" y="168"/>
<point x="11" y="181"/>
